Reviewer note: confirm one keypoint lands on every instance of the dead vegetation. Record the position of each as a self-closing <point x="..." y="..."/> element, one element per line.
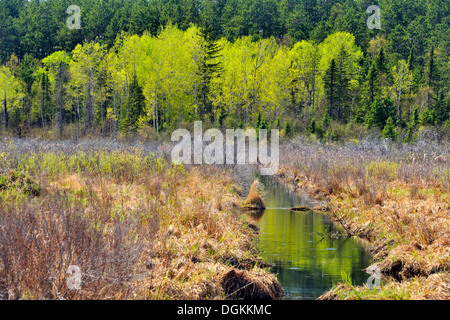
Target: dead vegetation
<point x="395" y="196"/>
<point x="254" y="200"/>
<point x="136" y="225"/>
<point x="433" y="287"/>
<point x="249" y="285"/>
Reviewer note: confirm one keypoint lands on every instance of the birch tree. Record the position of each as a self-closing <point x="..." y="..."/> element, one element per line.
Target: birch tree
<point x="403" y="80"/>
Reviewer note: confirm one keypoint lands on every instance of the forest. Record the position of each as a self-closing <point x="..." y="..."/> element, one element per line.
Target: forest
<point x="300" y="66"/>
<point x="93" y="205"/>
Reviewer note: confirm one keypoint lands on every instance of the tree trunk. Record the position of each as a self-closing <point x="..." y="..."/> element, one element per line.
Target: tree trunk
<point x="6" y="112"/>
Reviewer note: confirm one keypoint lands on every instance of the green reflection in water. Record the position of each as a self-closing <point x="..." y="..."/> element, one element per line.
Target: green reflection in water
<point x="306" y="265"/>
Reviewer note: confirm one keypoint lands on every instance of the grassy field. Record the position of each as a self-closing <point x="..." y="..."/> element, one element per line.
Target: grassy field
<point x="396" y="196"/>
<point x="137" y="226"/>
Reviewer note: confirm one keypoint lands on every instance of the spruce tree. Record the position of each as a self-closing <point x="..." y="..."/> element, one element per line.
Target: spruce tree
<point x="209" y="67"/>
<point x="136" y="106"/>
<point x="330" y="87"/>
<point x="389" y="130"/>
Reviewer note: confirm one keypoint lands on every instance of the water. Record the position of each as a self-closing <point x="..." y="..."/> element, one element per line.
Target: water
<point x="305" y="248"/>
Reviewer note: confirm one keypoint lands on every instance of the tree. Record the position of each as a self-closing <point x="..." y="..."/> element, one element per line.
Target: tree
<point x="136" y="106"/>
<point x="86" y="67"/>
<point x="58" y="65"/>
<point x="10" y="92"/>
<point x="330" y="87"/>
<point x="339" y="64"/>
<point x="306" y="57"/>
<point x="26" y="73"/>
<point x="43" y="96"/>
<point x="403" y="79"/>
<point x="378" y="113"/>
<point x="389" y="130"/>
<point x="372" y="78"/>
<point x="209" y="66"/>
<point x="278" y="84"/>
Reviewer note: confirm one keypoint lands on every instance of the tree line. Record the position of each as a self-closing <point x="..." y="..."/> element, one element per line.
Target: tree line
<point x="156" y="64"/>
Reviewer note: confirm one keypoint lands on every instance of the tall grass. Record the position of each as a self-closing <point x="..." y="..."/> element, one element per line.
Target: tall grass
<point x="369" y="164"/>
<point x="138" y="226"/>
<point x="396" y="195"/>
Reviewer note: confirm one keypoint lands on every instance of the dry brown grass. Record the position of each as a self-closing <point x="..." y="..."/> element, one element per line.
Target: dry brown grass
<point x="399" y="200"/>
<point x="138" y="227"/>
<point x="254" y="199"/>
<point x="249" y="285"/>
<point x="433" y="287"/>
<point x="41" y="240"/>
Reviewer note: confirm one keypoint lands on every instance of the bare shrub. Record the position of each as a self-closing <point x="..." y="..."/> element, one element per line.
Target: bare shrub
<point x="40" y="241"/>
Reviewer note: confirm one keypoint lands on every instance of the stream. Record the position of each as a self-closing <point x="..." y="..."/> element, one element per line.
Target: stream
<point x="308" y="251"/>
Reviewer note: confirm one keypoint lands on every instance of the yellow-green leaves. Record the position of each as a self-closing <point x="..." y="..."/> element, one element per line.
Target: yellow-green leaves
<point x="334" y="45"/>
<point x="10" y="88"/>
<point x="403" y="79"/>
<point x="53" y="61"/>
<point x="305" y="57"/>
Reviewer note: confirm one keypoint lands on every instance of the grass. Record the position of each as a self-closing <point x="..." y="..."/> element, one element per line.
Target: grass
<point x="396" y="196"/>
<point x="254" y="199"/>
<point x="434" y="287"/>
<point x="136" y="225"/>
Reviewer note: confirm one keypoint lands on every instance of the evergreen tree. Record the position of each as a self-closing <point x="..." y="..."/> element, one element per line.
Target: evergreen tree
<point x="372" y="78"/>
<point x="330" y="87"/>
<point x="287" y="129"/>
<point x="136" y="106"/>
<point x="210" y="66"/>
<point x="389" y="130"/>
<point x="379" y="112"/>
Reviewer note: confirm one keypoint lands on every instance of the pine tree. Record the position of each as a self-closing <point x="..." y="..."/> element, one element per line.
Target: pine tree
<point x="136" y="106"/>
<point x="379" y="112"/>
<point x="209" y="66"/>
<point x="431" y="70"/>
<point x="389" y="130"/>
<point x="44" y="96"/>
<point x="312" y="127"/>
<point x="287" y="129"/>
<point x="330" y="87"/>
<point x="372" y="77"/>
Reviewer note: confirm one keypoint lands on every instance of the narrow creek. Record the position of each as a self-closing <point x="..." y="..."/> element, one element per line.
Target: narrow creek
<point x="307" y="250"/>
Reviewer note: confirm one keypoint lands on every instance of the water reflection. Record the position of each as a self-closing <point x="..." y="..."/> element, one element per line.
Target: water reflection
<point x="306" y="249"/>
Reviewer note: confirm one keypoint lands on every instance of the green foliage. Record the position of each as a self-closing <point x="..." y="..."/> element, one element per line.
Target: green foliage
<point x="389" y="130"/>
<point x="136" y="106"/>
<point x="20" y="183"/>
<point x="287" y="129"/>
<point x="146" y="65"/>
<point x="379" y="112"/>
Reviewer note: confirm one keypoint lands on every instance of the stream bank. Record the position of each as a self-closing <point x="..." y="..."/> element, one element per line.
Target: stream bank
<point x="411" y="250"/>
